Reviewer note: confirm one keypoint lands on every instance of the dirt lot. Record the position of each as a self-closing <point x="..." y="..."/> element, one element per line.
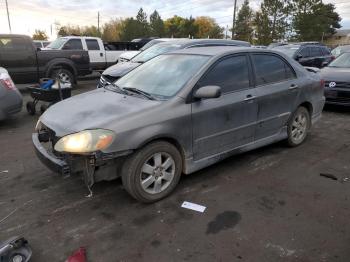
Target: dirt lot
<point x="267" y="205"/>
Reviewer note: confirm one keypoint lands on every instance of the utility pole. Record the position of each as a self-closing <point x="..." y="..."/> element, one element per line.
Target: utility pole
<point x="8" y="16"/>
<point x="98" y="22"/>
<point x="234" y="19"/>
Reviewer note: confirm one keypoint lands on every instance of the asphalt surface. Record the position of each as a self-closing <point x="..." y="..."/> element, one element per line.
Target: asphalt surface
<point x="270" y="204"/>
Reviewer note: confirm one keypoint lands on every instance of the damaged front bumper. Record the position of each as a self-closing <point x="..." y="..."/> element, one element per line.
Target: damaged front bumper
<point x="98" y="165"/>
<point x="54" y="163"/>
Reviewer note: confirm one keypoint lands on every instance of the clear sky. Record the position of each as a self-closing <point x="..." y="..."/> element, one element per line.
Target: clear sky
<point x="28" y="15"/>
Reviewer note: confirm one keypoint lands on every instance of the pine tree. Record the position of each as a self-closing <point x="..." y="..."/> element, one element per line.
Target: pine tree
<point x="244" y="23"/>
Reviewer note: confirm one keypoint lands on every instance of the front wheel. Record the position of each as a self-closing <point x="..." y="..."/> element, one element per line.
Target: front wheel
<point x="298" y="127"/>
<point x="152" y="172"/>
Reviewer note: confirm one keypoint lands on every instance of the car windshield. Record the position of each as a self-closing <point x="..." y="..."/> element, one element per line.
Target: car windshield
<point x="154" y="51"/>
<point x="288" y="50"/>
<point x="150" y="43"/>
<point x="163" y="76"/>
<point x="57" y="44"/>
<point x="341" y="61"/>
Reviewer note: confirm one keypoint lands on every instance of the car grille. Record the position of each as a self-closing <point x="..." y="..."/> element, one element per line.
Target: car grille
<point x="107" y="80"/>
<point x="338" y="84"/>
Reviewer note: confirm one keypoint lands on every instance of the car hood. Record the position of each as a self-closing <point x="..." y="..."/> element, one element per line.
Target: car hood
<point x="120" y="69"/>
<point x="336" y="74"/>
<point x="100" y="108"/>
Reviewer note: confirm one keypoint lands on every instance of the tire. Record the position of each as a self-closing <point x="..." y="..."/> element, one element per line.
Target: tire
<point x="298" y="127"/>
<point x="31" y="108"/>
<point x="159" y="175"/>
<point x="43" y="108"/>
<point x="64" y="75"/>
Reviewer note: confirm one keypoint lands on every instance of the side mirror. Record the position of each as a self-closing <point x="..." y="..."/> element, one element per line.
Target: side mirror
<point x="38" y="49"/>
<point x="298" y="57"/>
<point x="66" y="47"/>
<point x="208" y="92"/>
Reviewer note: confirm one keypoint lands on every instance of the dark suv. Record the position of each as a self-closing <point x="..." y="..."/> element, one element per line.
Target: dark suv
<point x="308" y="54"/>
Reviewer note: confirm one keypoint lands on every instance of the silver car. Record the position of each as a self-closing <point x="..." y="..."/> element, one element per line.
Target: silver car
<point x="178" y="113"/>
<point x="10" y="98"/>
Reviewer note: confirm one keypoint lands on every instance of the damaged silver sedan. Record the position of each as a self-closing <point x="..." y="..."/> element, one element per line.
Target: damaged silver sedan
<point x="178" y="113"/>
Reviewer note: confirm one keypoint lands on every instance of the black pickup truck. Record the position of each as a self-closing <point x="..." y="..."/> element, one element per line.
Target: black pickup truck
<point x="27" y="64"/>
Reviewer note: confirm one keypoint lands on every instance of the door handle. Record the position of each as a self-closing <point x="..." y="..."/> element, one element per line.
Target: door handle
<point x="293" y="87"/>
<point x="249" y="97"/>
<point x="101" y="54"/>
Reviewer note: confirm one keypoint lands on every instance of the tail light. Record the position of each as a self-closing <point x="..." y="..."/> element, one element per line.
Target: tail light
<point x="6" y="81"/>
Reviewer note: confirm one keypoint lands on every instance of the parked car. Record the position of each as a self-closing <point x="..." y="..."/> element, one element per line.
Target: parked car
<point x="10" y="98"/>
<point x="337" y="78"/>
<point x="41" y="44"/>
<point x="26" y="64"/>
<point x="340" y="49"/>
<point x="114" y="72"/>
<point x="102" y="55"/>
<point x="308" y="54"/>
<point x="178" y="113"/>
<point x="127" y="56"/>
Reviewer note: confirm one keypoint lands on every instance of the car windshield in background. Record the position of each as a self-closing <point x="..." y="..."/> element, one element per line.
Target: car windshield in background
<point x="154" y="51"/>
<point x="163" y="76"/>
<point x="289" y="50"/>
<point x="57" y="44"/>
<point x="150" y="43"/>
<point x="341" y="61"/>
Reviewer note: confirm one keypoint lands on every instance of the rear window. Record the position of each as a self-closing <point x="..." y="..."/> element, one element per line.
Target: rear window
<point x="14" y="43"/>
<point x="92" y="44"/>
<point x="271" y="69"/>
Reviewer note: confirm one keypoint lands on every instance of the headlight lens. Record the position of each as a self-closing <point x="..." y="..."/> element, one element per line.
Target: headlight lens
<point x="86" y="141"/>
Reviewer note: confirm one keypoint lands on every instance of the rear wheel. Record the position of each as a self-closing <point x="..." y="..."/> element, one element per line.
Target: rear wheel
<point x="298" y="127"/>
<point x="152" y="172"/>
<point x="31" y="108"/>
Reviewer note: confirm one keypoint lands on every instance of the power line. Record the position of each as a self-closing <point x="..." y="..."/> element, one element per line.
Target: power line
<point x="8" y="15"/>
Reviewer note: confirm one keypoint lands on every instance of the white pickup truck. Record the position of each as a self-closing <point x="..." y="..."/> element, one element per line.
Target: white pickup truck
<point x="102" y="55"/>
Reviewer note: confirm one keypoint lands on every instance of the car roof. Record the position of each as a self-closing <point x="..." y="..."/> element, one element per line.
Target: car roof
<point x="183" y="43"/>
<point x="218" y="50"/>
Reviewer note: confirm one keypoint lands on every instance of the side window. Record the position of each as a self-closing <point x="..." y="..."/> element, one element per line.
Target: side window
<point x="92" y="44"/>
<point x="315" y="51"/>
<point x="271" y="69"/>
<point x="73" y="44"/>
<point x="305" y="52"/>
<point x="231" y="74"/>
<point x="325" y="51"/>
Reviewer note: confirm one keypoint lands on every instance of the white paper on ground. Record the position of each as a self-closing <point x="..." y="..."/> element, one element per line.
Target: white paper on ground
<point x="193" y="206"/>
<point x="5" y="171"/>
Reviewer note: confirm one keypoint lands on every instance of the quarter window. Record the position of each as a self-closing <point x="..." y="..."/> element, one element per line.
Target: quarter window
<point x="231" y="74"/>
<point x="92" y="44"/>
<point x="316" y="51"/>
<point x="271" y="69"/>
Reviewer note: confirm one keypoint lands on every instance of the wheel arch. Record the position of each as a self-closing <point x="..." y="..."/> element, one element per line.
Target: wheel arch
<point x="308" y="106"/>
<point x="170" y="140"/>
<point x="62" y="63"/>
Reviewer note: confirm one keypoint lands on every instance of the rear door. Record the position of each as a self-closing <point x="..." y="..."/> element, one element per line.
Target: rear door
<point x="317" y="56"/>
<point x="18" y="56"/>
<point x="277" y="89"/>
<point x="227" y="122"/>
<point x="96" y="53"/>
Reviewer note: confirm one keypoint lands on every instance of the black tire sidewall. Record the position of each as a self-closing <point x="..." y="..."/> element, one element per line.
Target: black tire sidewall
<point x="138" y="159"/>
<point x="289" y="128"/>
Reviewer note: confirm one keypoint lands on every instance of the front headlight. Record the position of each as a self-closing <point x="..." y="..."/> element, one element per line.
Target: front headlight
<point x="38" y="125"/>
<point x="86" y="141"/>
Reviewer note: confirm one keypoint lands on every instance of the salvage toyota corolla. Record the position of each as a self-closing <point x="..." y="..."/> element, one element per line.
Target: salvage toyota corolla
<point x="178" y="113"/>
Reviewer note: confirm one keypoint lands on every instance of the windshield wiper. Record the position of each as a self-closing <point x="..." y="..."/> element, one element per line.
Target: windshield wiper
<point x="115" y="88"/>
<point x="140" y="92"/>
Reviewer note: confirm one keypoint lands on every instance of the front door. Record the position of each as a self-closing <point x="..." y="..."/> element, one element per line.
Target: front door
<point x="227" y="122"/>
<point x="277" y="91"/>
